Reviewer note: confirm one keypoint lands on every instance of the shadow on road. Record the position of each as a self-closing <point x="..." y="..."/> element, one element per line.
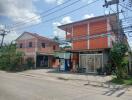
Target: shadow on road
<point x="118" y="92"/>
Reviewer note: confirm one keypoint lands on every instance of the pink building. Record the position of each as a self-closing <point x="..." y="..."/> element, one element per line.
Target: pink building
<point x="39" y="49"/>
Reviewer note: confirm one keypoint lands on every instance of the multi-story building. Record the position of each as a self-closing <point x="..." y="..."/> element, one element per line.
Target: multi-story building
<point x="39" y="49"/>
<point x="91" y="41"/>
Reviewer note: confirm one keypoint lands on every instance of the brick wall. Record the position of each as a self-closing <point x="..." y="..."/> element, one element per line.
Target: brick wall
<point x="98" y="27"/>
<point x="95" y="28"/>
<point x="36" y="46"/>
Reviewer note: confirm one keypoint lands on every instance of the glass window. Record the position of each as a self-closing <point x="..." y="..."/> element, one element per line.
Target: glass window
<point x="30" y="44"/>
<point x="54" y="47"/>
<point x="43" y="45"/>
<point x="21" y="45"/>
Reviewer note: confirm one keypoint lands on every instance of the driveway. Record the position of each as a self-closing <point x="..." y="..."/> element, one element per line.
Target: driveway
<point x="24" y="86"/>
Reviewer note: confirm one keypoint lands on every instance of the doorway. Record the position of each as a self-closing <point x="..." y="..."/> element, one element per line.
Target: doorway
<point x="42" y="61"/>
<point x="91" y="62"/>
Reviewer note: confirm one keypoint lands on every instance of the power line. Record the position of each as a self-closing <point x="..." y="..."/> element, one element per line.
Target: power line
<point x="59" y="15"/>
<point x="47" y="11"/>
<point x="125" y="7"/>
<point x="45" y="15"/>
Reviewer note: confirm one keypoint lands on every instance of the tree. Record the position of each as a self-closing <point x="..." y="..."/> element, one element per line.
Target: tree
<point x="9" y="58"/>
<point x="117" y="55"/>
<point x="56" y="39"/>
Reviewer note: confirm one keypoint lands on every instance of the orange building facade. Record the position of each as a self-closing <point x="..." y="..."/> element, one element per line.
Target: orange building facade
<point x="91" y="40"/>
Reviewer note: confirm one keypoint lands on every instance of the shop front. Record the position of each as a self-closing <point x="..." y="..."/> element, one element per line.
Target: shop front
<point x="90" y="62"/>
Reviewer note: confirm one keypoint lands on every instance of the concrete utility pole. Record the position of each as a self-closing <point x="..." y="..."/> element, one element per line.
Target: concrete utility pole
<point x="112" y="2"/>
<point x="130" y="3"/>
<point x="3" y="34"/>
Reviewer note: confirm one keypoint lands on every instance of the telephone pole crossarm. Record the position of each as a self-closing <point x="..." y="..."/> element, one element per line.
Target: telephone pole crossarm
<point x="3" y="34"/>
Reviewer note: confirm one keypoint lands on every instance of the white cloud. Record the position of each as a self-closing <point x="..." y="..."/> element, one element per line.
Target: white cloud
<point x="19" y="10"/>
<point x="11" y="36"/>
<point x="106" y="12"/>
<point x="66" y="20"/>
<point x="88" y="16"/>
<point x="58" y="32"/>
<point x="54" y="1"/>
<point x="2" y="26"/>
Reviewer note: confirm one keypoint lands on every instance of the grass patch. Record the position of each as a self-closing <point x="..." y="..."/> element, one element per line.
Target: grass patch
<point x="127" y="81"/>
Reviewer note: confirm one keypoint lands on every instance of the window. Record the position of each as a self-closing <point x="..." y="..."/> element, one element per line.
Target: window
<point x="30" y="44"/>
<point x="21" y="45"/>
<point x="43" y="45"/>
<point x="54" y="47"/>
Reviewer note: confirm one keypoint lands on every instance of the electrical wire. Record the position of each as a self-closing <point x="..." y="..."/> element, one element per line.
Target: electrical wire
<point x="46" y="11"/>
<point x="125" y="7"/>
<point x="45" y="15"/>
<point x="56" y="16"/>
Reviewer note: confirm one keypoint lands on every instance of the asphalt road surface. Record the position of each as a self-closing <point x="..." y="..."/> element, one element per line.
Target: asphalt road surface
<point x="18" y="86"/>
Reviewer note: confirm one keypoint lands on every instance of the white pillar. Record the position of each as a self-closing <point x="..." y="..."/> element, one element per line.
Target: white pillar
<point x="35" y="56"/>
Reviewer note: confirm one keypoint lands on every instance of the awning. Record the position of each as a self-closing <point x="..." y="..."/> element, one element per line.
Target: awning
<point x="63" y="55"/>
<point x="47" y="54"/>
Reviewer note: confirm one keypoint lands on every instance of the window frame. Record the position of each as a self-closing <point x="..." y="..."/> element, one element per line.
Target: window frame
<point x="54" y="47"/>
<point x="43" y="45"/>
<point x="21" y="45"/>
<point x="30" y="44"/>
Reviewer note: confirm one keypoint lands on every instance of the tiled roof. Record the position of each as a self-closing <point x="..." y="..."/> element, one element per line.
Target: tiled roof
<point x="38" y="36"/>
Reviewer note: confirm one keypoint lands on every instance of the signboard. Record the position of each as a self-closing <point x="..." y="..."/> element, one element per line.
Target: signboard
<point x="62" y="55"/>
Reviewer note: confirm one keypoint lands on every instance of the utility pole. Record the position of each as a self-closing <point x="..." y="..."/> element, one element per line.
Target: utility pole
<point x="112" y="2"/>
<point x="130" y="3"/>
<point x="3" y="34"/>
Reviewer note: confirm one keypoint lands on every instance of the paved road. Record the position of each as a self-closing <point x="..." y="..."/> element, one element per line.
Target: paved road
<point x="18" y="86"/>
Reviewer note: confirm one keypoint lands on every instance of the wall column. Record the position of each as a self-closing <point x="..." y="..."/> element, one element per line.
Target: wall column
<point x="108" y="29"/>
<point x="88" y="36"/>
<point x="35" y="56"/>
<point x="72" y="38"/>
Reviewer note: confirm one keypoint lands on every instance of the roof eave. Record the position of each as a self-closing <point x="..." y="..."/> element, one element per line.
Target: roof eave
<point x="89" y="19"/>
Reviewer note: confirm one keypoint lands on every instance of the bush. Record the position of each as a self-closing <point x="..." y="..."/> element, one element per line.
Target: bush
<point x="9" y="58"/>
<point x="106" y="70"/>
<point x="117" y="55"/>
<point x="30" y="63"/>
<point x="100" y="71"/>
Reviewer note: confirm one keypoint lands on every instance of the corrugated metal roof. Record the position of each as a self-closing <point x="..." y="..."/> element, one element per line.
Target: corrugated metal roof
<point x="85" y="20"/>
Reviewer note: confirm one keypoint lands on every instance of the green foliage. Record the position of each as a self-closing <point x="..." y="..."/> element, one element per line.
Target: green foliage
<point x="107" y="70"/>
<point x="67" y="47"/>
<point x="56" y="39"/>
<point x="9" y="58"/>
<point x="117" y="55"/>
<point x="127" y="81"/>
<point x="30" y="62"/>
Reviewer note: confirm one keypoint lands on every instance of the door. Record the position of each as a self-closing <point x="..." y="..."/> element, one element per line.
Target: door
<point x="42" y="61"/>
<point x="91" y="62"/>
<point x="98" y="61"/>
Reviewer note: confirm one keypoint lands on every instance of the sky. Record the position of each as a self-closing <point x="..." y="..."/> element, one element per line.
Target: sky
<point x="34" y="16"/>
